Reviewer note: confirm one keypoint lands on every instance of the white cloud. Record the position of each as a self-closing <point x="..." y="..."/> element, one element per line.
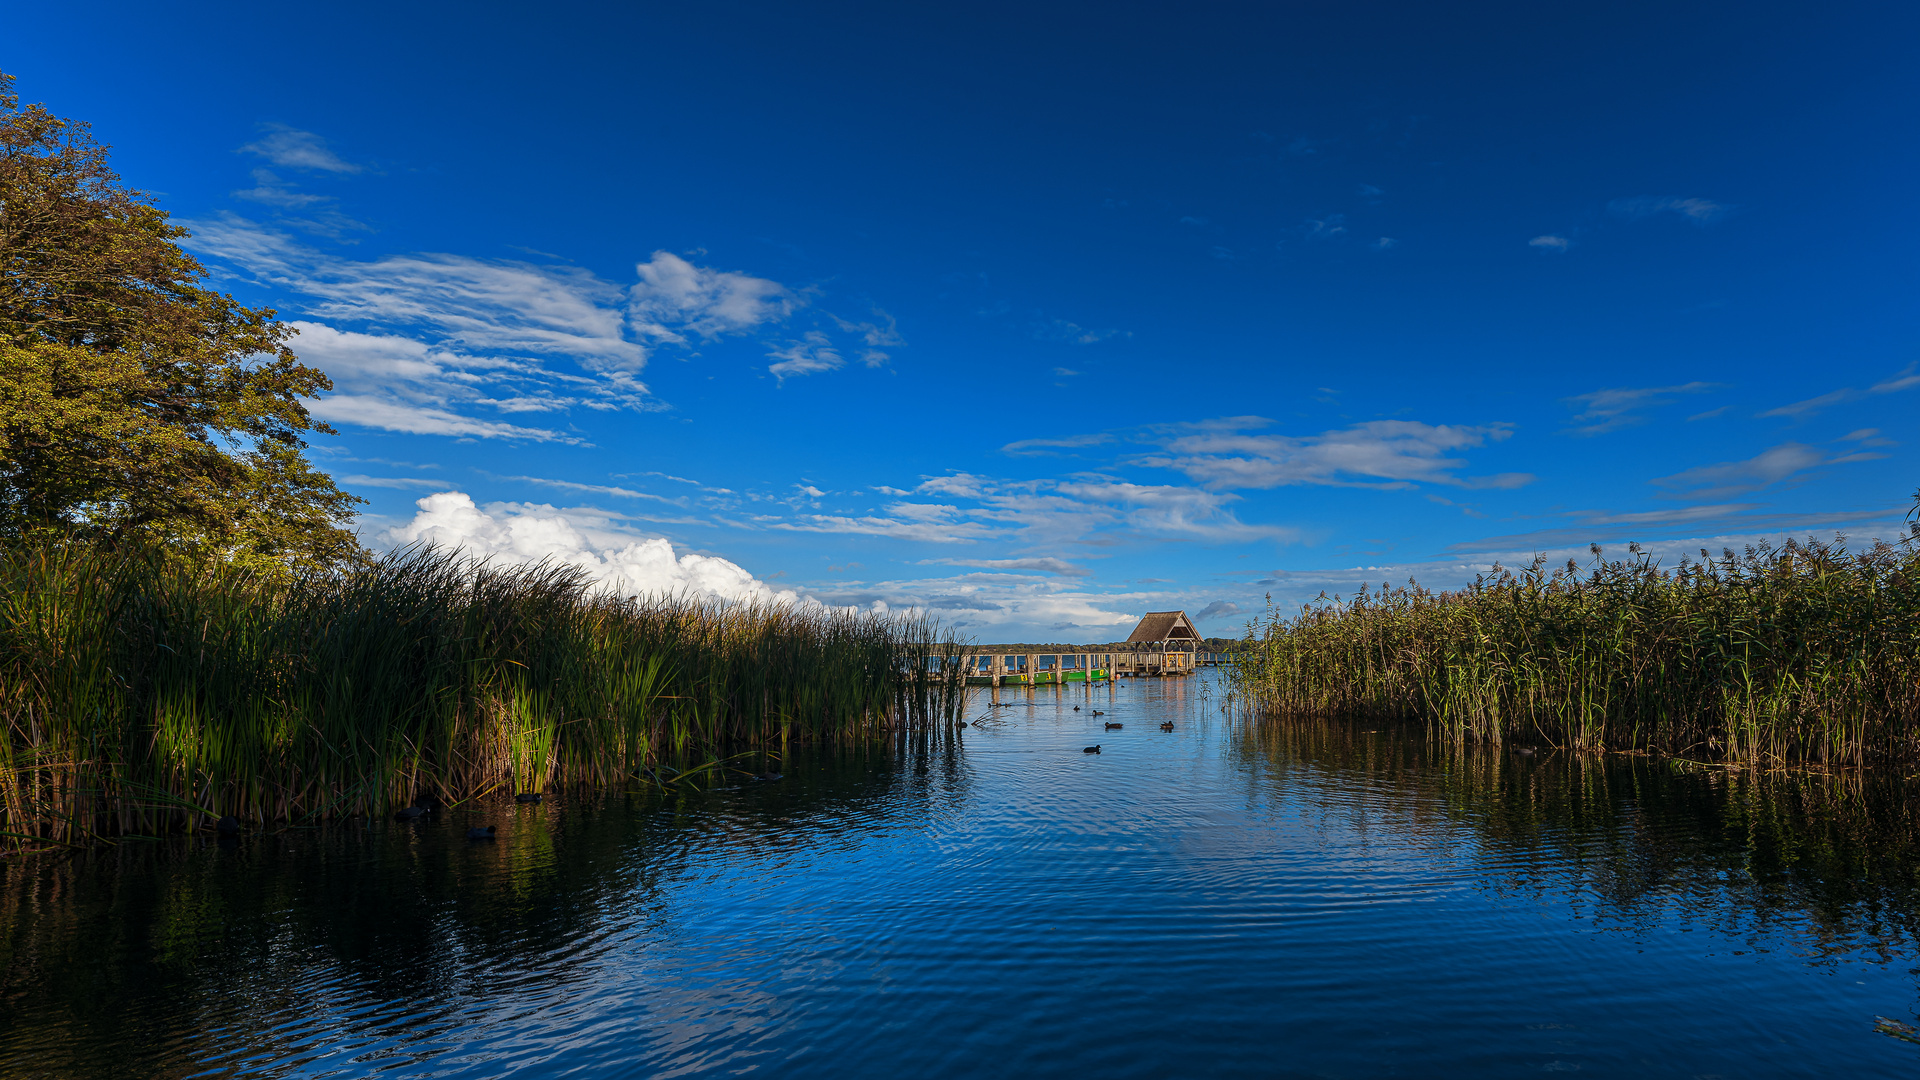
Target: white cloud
<point x="1698" y="211"/>
<point x="1045" y="565"/>
<point x="884" y="331"/>
<point x="525" y="535"/>
<point x="1732" y="478"/>
<point x="808" y="357"/>
<point x="273" y="191"/>
<point x="1219" y="609"/>
<point x="295" y="149"/>
<point x="466" y="303"/>
<point x="997" y="607"/>
<point x="674" y="297"/>
<point x="1025" y="447"/>
<point x="1376" y="454"/>
<point x="389" y="415"/>
<point x="1907" y="379"/>
<point x="1608" y="410"/>
<point x="400" y="384"/>
<point x="906" y="521"/>
<point x="1324" y="228"/>
<point x="1384" y="243"/>
<point x="1062" y="330"/>
<point x="435" y="337"/>
<point x="1550" y="243"/>
<point x="354" y="481"/>
<point x="1166" y="510"/>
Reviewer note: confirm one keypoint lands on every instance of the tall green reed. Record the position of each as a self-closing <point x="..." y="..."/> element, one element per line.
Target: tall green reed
<point x="1803" y="651"/>
<point x="143" y="691"/>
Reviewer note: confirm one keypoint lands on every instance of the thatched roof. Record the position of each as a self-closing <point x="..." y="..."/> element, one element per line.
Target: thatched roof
<point x="1164" y="626"/>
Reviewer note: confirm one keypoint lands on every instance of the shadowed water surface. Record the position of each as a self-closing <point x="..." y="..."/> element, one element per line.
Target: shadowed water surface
<point x="1287" y="900"/>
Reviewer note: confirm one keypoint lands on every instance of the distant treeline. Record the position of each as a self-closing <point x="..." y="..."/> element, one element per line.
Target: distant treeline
<point x="1804" y="652"/>
<point x="144" y="691"/>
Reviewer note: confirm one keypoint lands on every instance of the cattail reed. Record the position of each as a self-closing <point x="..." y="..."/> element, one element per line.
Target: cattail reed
<point x="143" y="692"/>
<point x="1801" y="652"/>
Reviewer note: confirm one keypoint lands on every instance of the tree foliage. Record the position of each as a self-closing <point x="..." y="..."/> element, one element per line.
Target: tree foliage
<point x="134" y="400"/>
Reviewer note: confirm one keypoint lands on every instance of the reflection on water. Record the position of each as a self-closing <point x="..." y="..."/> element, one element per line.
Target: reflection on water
<point x="1277" y="899"/>
<point x="1626" y="840"/>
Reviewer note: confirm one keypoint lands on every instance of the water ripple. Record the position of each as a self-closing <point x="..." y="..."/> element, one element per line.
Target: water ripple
<point x="1221" y="899"/>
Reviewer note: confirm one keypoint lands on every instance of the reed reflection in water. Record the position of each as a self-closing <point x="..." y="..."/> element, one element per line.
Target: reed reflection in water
<point x="1228" y="898"/>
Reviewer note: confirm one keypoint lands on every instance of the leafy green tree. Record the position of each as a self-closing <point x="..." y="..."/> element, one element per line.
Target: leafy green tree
<point x="135" y="403"/>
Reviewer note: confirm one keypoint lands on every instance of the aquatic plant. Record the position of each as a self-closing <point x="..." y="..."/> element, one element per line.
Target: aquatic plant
<point x="1802" y="651"/>
<point x="146" y="690"/>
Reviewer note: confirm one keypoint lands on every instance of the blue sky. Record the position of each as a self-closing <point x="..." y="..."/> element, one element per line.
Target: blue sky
<point x="1043" y="317"/>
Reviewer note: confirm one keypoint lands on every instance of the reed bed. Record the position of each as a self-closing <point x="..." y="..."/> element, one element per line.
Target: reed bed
<point x="145" y="692"/>
<point x="1802" y="652"/>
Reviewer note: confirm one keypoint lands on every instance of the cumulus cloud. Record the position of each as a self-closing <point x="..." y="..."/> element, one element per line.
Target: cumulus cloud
<point x="292" y="148"/>
<point x="525" y="535"/>
<point x="1698" y="211"/>
<point x="1387" y="454"/>
<point x="1550" y="243"/>
<point x="1607" y="410"/>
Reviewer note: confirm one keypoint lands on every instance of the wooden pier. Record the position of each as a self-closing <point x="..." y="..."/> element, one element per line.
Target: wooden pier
<point x="1164" y="645"/>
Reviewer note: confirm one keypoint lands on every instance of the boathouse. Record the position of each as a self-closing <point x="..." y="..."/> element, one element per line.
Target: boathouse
<point x="1165" y="643"/>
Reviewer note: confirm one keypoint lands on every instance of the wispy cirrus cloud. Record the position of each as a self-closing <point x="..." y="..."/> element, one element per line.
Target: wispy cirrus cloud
<point x="1044" y="565"/>
<point x="1907" y="379"/>
<point x="1386" y="454"/>
<point x="394" y="383"/>
<point x="1697" y="210"/>
<point x="1074" y="333"/>
<point x="1027" y="447"/>
<point x="355" y="480"/>
<point x="292" y="148"/>
<point x="811" y="355"/>
<point x="431" y="343"/>
<point x="270" y="190"/>
<point x="1550" y="242"/>
<point x="1609" y="410"/>
<point x="1082" y="509"/>
<point x="1729" y="479"/>
<point x="1723" y="522"/>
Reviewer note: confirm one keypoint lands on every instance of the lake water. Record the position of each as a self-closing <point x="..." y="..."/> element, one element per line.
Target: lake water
<point x="1225" y="899"/>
